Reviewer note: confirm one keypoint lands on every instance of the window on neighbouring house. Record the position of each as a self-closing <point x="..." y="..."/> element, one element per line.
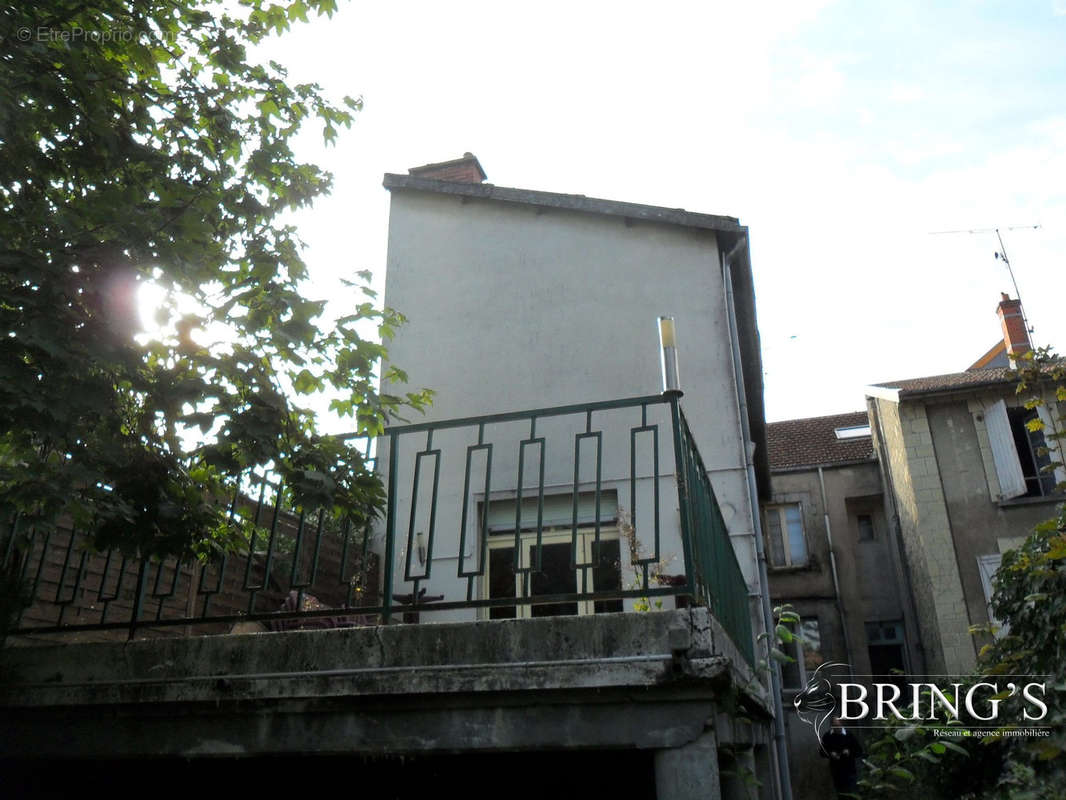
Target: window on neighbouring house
<point x="784" y="534"/>
<point x="810" y="633"/>
<point x="987" y="566"/>
<point x="866" y="527"/>
<point x="1019" y="454"/>
<point x="807" y="652"/>
<point x="1032" y="452"/>
<point x="884" y="641"/>
<point x="852" y="432"/>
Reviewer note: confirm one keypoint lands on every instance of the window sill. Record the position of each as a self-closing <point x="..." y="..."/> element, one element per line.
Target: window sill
<point x="809" y="566"/>
<point x="1018" y="502"/>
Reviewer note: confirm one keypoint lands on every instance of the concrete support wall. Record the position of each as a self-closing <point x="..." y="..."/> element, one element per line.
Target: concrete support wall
<point x="690" y="772"/>
<point x="648" y="681"/>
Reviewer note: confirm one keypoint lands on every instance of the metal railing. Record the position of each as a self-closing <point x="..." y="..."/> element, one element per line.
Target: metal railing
<point x="487" y="511"/>
<point x="101" y="595"/>
<point x="720" y="583"/>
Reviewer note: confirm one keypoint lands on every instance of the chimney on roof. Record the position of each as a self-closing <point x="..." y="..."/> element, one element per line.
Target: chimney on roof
<point x="1015" y="336"/>
<point x="462" y="170"/>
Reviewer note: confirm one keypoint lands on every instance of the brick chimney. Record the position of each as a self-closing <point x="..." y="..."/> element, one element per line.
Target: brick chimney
<point x="1015" y="336"/>
<point x="462" y="170"/>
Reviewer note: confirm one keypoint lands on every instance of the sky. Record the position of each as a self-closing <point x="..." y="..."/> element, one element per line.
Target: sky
<point x="847" y="136"/>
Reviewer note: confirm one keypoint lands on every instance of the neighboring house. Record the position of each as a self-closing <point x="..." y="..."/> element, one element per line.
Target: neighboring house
<point x="885" y="527"/>
<point x="834" y="557"/>
<point x="966" y="481"/>
<point x="832" y="553"/>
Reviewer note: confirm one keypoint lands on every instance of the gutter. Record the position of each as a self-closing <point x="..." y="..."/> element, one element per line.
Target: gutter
<point x="784" y="779"/>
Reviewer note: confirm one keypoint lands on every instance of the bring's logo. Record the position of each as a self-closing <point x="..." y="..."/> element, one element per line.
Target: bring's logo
<point x="959" y="706"/>
<point x="817" y="701"/>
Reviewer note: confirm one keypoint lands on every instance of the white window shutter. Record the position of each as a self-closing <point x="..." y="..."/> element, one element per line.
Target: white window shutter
<point x="1004" y="453"/>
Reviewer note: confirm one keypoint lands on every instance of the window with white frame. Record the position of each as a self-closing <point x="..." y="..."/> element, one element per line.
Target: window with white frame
<point x="568" y="564"/>
<point x="785" y="541"/>
<point x="557" y="561"/>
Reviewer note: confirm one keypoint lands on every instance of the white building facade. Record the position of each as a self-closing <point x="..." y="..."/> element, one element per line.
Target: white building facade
<point x="532" y="300"/>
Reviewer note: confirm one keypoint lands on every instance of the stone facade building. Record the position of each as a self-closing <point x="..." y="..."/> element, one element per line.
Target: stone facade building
<point x="966" y="482"/>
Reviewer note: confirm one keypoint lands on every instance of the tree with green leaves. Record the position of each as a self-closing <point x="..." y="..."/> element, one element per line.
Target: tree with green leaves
<point x="1030" y="597"/>
<point x="141" y="143"/>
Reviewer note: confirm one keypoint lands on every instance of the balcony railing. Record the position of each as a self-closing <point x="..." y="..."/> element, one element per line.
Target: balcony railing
<point x="550" y="511"/>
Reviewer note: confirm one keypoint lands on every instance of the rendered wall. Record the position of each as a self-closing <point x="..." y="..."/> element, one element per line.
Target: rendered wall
<point x="870" y="588"/>
<point x="512" y="307"/>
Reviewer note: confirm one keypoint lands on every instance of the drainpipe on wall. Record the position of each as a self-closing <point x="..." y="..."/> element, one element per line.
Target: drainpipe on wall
<point x="833" y="570"/>
<point x="784" y="779"/>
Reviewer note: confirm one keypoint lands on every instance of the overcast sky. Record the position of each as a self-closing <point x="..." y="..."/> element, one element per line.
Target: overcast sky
<point x="843" y="134"/>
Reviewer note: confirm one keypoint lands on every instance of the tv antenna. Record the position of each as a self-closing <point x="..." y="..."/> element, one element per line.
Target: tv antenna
<point x="1001" y="255"/>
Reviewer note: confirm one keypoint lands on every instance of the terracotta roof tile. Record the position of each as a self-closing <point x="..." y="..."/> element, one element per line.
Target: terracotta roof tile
<point x="953" y="381"/>
<point x="812" y="441"/>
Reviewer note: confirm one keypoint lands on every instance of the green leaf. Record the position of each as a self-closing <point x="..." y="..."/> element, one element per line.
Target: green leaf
<point x="901" y="772"/>
<point x="954" y="748"/>
<point x="777" y="655"/>
<point x="905" y="733"/>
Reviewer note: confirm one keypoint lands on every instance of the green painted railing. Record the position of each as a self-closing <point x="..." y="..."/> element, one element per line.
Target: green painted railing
<point x="302" y="569"/>
<point x="719" y="582"/>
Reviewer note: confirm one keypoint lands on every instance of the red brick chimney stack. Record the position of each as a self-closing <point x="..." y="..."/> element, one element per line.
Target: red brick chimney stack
<point x="1015" y="336"/>
<point x="462" y="170"/>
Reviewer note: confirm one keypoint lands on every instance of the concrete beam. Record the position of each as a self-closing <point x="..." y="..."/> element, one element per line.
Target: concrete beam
<point x="611" y="681"/>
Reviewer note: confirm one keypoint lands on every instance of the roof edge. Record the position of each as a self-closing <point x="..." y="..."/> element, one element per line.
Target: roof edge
<point x="824" y="465"/>
<point x="566" y="202"/>
<point x="895" y="393"/>
<point x="993" y="351"/>
<point x="883" y="393"/>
